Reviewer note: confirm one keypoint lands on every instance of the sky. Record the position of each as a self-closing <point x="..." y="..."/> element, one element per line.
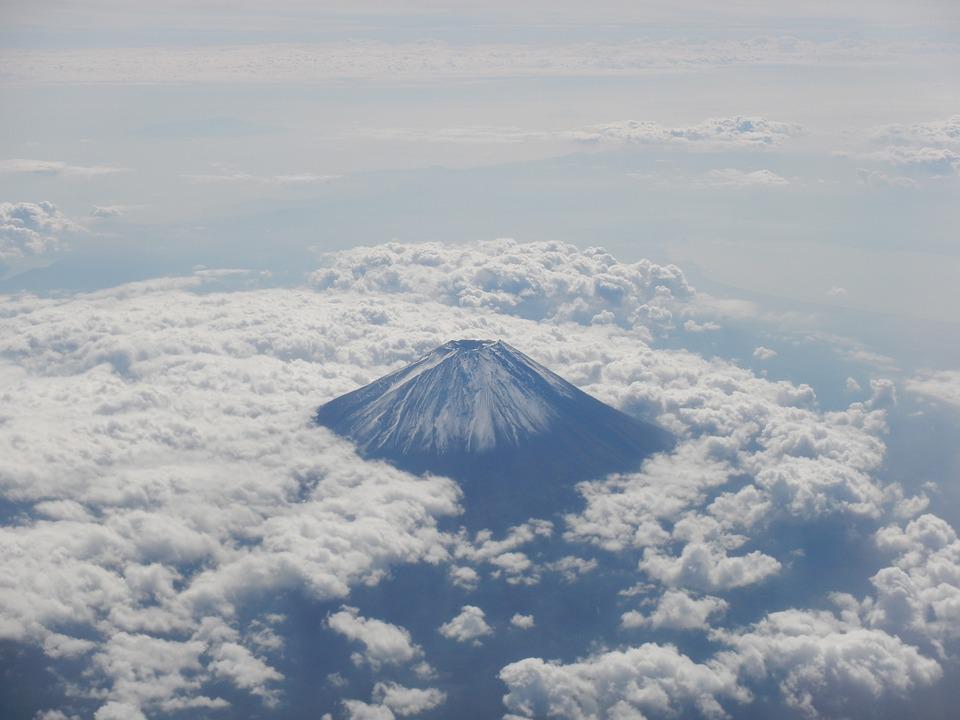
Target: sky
<point x="737" y="220"/>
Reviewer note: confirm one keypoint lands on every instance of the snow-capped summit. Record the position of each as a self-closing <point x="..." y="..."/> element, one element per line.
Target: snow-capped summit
<point x="466" y="396"/>
<point x="483" y="412"/>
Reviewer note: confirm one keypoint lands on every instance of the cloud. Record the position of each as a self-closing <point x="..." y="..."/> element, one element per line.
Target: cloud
<point x="855" y="351"/>
<point x="234" y="662"/>
<point x="737" y="131"/>
<point x="435" y="60"/>
<point x="823" y="665"/>
<point x="118" y="711"/>
<point x="153" y="671"/>
<point x="108" y="212"/>
<point x="31" y="229"/>
<point x="679" y="181"/>
<point x="678" y="610"/>
<point x="933" y="133"/>
<point x="406" y="701"/>
<point x="383" y="643"/>
<point x="467" y="626"/>
<point x="391" y="700"/>
<point x="524" y="622"/>
<point x="649" y="680"/>
<point x="927" y="148"/>
<point x="878" y="178"/>
<point x="468" y="134"/>
<point x="537" y="281"/>
<point x="942" y="386"/>
<point x="58" y="168"/>
<point x="292" y="179"/>
<point x="695" y="327"/>
<point x="928" y="160"/>
<point x="359" y="710"/>
<point x="240" y="495"/>
<point x="826" y="665"/>
<point x="571" y="567"/>
<point x="764" y="353"/>
<point x="706" y="566"/>
<point x="803" y="465"/>
<point x="464" y="577"/>
<point x="919" y="595"/>
<point x="486" y="548"/>
<point x="504" y="555"/>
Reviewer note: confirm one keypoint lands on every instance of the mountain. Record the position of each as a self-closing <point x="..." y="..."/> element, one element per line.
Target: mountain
<point x="516" y="435"/>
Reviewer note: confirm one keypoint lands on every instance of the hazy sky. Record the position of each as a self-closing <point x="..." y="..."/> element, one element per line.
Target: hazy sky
<point x="214" y="130"/>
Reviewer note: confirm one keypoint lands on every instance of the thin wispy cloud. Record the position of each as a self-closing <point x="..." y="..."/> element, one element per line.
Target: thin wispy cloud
<point x="57" y="168"/>
<point x="247" y="178"/>
<point x="430" y="60"/>
<point x="714" y="133"/>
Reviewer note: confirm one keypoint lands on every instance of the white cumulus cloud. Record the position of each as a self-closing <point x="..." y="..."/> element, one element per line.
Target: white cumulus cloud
<point x="524" y="622"/>
<point x="919" y="594"/>
<point x="827" y="666"/>
<point x="927" y="160"/>
<point x="383" y="643"/>
<point x="635" y="683"/>
<point x="678" y="610"/>
<point x="536" y="281"/>
<point x="469" y="625"/>
<point x="944" y="132"/>
<point x="30" y="229"/>
<point x="406" y="701"/>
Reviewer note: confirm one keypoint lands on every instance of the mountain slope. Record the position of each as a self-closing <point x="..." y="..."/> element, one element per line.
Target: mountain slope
<point x="516" y="435"/>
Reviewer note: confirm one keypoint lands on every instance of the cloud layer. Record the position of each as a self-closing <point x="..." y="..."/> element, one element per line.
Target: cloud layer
<point x="163" y="477"/>
<point x="538" y="281"/>
<point x="432" y="60"/>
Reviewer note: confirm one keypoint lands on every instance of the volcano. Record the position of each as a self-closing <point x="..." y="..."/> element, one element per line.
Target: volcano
<point x="515" y="435"/>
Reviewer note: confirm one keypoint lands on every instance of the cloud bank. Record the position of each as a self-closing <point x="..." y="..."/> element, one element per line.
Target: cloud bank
<point x="163" y="477"/>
